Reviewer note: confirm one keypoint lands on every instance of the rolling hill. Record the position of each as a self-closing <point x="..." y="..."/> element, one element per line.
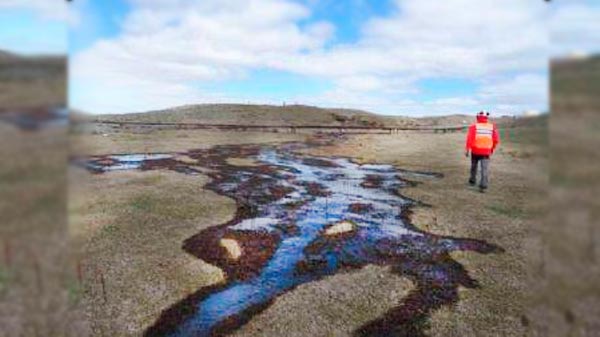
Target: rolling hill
<point x="298" y="115"/>
<point x="260" y="115"/>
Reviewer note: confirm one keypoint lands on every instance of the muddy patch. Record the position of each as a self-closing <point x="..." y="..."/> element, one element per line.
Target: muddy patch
<point x="301" y="218"/>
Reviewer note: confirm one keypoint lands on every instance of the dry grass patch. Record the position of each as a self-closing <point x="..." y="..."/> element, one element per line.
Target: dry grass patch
<point x="168" y="141"/>
<point x="242" y="162"/>
<point x="130" y="226"/>
<point x="334" y="306"/>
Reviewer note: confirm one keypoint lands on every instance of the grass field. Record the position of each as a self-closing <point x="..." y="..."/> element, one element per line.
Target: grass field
<point x="128" y="227"/>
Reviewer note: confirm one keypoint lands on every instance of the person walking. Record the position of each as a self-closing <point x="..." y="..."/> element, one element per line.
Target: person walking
<point x="482" y="140"/>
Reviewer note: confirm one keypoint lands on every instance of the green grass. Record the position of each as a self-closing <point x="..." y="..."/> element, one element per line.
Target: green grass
<point x="510" y="212"/>
<point x="144" y="203"/>
<point x="170" y="204"/>
<point x="111" y="229"/>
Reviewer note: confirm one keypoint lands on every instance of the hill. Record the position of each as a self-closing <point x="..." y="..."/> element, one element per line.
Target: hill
<point x="298" y="115"/>
<point x="262" y="115"/>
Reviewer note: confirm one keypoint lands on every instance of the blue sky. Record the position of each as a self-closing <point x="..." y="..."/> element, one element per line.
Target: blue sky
<point x="396" y="57"/>
<point x="348" y="16"/>
<point x="97" y="20"/>
<point x="103" y="18"/>
<point x="25" y="31"/>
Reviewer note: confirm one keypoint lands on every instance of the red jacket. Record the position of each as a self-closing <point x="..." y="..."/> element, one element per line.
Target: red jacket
<point x="482" y="137"/>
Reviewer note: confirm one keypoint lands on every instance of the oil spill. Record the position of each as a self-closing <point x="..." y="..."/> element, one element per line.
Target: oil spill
<point x="118" y="162"/>
<point x="284" y="234"/>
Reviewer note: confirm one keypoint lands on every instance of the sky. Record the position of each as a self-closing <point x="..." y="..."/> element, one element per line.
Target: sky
<point x="393" y="57"/>
<point x="34" y="26"/>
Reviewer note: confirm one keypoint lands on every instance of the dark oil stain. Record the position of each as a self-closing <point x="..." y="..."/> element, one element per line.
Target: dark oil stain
<point x="285" y="207"/>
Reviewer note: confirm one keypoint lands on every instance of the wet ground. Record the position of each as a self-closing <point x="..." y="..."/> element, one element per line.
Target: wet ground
<point x="301" y="218"/>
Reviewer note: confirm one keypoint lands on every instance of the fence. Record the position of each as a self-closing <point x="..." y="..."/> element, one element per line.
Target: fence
<point x="279" y="127"/>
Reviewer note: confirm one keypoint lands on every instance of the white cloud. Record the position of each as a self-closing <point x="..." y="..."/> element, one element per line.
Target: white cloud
<point x="523" y="90"/>
<point x="444" y="38"/>
<point x="168" y="45"/>
<point x="49" y="9"/>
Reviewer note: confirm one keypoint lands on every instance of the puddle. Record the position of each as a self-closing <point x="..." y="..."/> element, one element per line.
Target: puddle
<point x="301" y="218"/>
<point x="122" y="161"/>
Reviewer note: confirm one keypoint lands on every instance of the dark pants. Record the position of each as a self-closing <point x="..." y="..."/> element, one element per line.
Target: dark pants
<point x="485" y="162"/>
